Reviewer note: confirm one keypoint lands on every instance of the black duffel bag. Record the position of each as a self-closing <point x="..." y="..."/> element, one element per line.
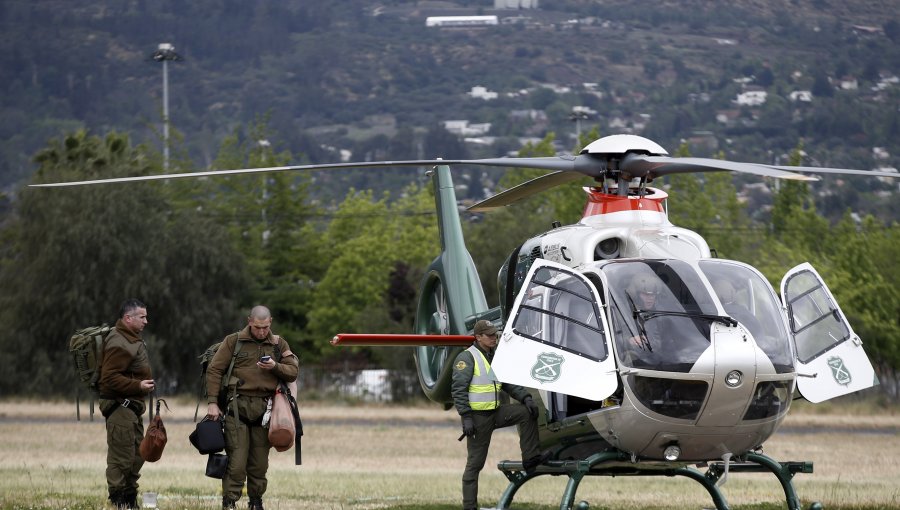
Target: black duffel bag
<point x="208" y="437"/>
<point x="216" y="465"/>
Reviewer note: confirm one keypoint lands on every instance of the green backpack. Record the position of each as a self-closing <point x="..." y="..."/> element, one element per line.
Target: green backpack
<point x="86" y="348"/>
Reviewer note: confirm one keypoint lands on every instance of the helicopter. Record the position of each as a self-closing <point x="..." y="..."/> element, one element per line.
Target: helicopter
<point x="700" y="379"/>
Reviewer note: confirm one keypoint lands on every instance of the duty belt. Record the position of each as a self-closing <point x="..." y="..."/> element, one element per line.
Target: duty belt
<point x="131" y="404"/>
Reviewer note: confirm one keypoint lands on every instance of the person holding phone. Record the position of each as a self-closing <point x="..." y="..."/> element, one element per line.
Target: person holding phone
<point x="125" y="379"/>
<point x="262" y="360"/>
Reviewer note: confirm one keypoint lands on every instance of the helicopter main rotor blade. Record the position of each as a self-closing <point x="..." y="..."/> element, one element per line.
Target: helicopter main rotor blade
<point x="838" y="171"/>
<point x="524" y="190"/>
<point x="585" y="164"/>
<point x="656" y="166"/>
<point x="212" y="173"/>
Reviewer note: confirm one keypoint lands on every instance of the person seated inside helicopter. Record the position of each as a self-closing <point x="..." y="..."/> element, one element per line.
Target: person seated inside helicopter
<point x="644" y="291"/>
<point x="727" y="296"/>
<point x="661" y="320"/>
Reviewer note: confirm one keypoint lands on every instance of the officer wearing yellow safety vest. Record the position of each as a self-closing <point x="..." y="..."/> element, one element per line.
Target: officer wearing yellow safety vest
<point x="476" y="394"/>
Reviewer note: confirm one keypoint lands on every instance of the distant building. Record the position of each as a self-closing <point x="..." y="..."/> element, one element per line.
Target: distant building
<point x="751" y="98"/>
<point x="586" y="110"/>
<point x="728" y="117"/>
<point x="849" y="83"/>
<point x="463" y="128"/>
<point x="460" y="21"/>
<point x="480" y="92"/>
<point x="515" y="4"/>
<point x="803" y="96"/>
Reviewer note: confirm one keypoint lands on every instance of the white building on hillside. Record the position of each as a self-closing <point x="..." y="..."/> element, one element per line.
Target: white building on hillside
<point x="480" y="92"/>
<point x="803" y="96"/>
<point x="463" y="128"/>
<point x="460" y="21"/>
<point x="515" y="4"/>
<point x="751" y="98"/>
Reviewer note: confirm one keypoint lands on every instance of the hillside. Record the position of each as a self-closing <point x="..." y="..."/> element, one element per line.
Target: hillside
<point x="375" y="81"/>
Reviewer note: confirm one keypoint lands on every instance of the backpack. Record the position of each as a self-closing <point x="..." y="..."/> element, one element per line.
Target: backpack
<point x="86" y="348"/>
<point x="205" y="359"/>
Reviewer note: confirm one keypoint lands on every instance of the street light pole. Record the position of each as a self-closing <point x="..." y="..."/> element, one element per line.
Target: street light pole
<point x="577" y="116"/>
<point x="164" y="54"/>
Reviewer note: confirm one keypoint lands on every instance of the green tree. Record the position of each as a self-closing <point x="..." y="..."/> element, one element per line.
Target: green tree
<point x="268" y="218"/>
<point x="794" y="218"/>
<point x="71" y="255"/>
<point x="377" y="251"/>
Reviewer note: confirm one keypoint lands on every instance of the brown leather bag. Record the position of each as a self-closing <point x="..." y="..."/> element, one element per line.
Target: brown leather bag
<point x="281" y="421"/>
<point x="155" y="439"/>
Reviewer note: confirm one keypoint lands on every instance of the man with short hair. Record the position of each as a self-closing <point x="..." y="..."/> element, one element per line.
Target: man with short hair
<point x="125" y="379"/>
<point x="476" y="395"/>
<point x="262" y="361"/>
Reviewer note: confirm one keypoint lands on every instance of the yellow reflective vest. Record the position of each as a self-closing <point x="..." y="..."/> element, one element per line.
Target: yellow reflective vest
<point x="484" y="390"/>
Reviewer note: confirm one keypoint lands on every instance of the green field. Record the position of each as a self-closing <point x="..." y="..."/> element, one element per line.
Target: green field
<point x="384" y="457"/>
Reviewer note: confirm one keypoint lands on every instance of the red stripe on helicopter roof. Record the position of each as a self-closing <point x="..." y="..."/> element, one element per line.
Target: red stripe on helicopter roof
<point x="605" y="203"/>
<point x="377" y="340"/>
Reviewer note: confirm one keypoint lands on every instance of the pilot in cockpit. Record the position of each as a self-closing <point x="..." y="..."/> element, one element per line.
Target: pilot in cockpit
<point x="644" y="292"/>
<point x="727" y="296"/>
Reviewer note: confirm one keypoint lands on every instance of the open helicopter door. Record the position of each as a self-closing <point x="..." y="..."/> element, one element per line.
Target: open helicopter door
<point x="556" y="337"/>
<point x="827" y="348"/>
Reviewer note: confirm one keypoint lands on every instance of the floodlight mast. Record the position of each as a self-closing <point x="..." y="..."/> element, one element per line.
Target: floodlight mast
<point x="163" y="54"/>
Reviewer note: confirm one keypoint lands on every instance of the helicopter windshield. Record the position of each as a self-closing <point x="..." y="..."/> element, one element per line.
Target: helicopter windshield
<point x="661" y="313"/>
<point x="747" y="297"/>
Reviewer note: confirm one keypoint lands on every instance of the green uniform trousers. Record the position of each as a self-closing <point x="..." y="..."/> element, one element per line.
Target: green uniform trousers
<point x="247" y="446"/>
<point x="124" y="432"/>
<point x="477" y="445"/>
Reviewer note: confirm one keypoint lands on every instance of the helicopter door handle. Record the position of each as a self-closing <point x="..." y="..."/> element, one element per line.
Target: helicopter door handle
<point x="811" y="376"/>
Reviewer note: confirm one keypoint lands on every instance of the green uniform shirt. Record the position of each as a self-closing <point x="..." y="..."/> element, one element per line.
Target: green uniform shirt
<point x="125" y="364"/>
<point x="255" y="382"/>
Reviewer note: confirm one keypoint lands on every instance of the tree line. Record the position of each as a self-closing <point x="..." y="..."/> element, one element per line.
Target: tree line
<point x="201" y="252"/>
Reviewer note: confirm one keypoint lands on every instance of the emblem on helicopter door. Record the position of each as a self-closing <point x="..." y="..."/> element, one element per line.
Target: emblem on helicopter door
<point x="547" y="367"/>
<point x="840" y="372"/>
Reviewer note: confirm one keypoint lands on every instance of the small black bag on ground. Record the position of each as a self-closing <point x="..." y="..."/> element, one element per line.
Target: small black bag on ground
<point x="215" y="466"/>
<point x="208" y="437"/>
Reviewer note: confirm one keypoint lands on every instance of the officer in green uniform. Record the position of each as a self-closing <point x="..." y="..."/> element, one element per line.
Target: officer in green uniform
<point x="124" y="381"/>
<point x="263" y="360"/>
<point x="476" y="395"/>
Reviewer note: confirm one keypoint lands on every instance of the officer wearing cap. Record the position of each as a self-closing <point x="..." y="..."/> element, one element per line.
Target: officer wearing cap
<point x="476" y="395"/>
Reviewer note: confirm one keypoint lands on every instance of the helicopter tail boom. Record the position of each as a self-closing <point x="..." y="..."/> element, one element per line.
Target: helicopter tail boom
<point x="392" y="340"/>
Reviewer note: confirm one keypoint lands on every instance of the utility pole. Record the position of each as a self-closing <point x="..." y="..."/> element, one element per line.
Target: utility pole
<point x="578" y="115"/>
<point x="164" y="54"/>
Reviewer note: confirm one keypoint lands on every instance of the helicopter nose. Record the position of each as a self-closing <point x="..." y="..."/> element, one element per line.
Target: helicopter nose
<point x="733" y="363"/>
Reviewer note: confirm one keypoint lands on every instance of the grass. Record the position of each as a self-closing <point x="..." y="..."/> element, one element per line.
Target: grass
<point x="384" y="457"/>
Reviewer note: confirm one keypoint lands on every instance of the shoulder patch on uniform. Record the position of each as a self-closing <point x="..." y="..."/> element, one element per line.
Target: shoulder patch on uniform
<point x="460" y="365"/>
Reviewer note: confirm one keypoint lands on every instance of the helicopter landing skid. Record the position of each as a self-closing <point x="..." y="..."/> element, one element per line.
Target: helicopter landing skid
<point x="616" y="463"/>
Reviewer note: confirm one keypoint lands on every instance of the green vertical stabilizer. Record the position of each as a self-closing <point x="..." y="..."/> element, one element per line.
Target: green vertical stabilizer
<point x="450" y="292"/>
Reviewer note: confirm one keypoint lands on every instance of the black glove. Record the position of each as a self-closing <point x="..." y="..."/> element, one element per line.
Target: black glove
<point x="532" y="407"/>
<point x="468" y="426"/>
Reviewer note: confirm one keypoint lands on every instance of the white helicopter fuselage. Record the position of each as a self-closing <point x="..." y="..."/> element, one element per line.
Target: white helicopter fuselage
<point x="715" y="382"/>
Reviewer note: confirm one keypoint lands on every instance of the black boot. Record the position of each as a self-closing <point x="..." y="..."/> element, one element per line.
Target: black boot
<point x="530" y="465"/>
<point x="129" y="500"/>
<point x="255" y="503"/>
<point x="115" y="499"/>
<point x="228" y="503"/>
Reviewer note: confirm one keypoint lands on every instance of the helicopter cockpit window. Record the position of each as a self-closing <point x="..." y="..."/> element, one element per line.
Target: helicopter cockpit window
<point x="747" y="297"/>
<point x="661" y="314"/>
<point x="815" y="321"/>
<point x="560" y="310"/>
